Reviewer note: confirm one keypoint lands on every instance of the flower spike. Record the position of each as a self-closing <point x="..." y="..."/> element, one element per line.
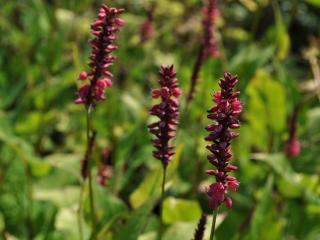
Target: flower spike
<point x="225" y="115"/>
<point x="167" y="111"/>
<point x="104" y="30"/>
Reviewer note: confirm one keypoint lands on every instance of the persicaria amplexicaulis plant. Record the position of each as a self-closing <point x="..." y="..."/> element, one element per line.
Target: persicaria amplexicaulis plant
<point x="225" y="116"/>
<point x="208" y="45"/>
<point x="104" y="30"/>
<point x="165" y="128"/>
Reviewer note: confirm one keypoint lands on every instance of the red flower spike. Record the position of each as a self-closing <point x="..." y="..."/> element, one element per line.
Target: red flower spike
<point x="224" y="114"/>
<point x="167" y="111"/>
<point x="208" y="45"/>
<point x="103" y="44"/>
<point x="210" y="12"/>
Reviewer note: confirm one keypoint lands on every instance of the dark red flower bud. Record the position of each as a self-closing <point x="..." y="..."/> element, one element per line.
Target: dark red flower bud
<point x="228" y="202"/>
<point x="146" y="30"/>
<point x="293" y="147"/>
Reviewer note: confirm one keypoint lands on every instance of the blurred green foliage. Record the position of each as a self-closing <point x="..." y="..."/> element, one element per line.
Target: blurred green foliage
<point x="269" y="44"/>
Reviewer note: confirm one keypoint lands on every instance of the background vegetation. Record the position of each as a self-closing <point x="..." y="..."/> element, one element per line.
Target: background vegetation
<point x="273" y="46"/>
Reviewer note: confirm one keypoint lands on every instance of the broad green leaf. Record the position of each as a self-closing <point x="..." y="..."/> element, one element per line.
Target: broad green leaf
<point x="135" y="223"/>
<point x="248" y="60"/>
<point x="61" y="197"/>
<point x="180" y="231"/>
<point x="257" y="118"/>
<point x="266" y="108"/>
<point x="148" y="236"/>
<point x="149" y="186"/>
<point x="266" y="215"/>
<point x="185" y="230"/>
<point x="66" y="221"/>
<point x="39" y="168"/>
<point x="69" y="163"/>
<point x="283" y="38"/>
<point x="109" y="209"/>
<point x="278" y="163"/>
<point x="152" y="182"/>
<point x="30" y="123"/>
<point x="250" y="4"/>
<point x="289" y="189"/>
<point x="314" y="2"/>
<point x="180" y="210"/>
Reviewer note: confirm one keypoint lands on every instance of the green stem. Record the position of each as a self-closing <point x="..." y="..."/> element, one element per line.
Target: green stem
<point x="91" y="196"/>
<point x="161" y="202"/>
<point x="213" y="226"/>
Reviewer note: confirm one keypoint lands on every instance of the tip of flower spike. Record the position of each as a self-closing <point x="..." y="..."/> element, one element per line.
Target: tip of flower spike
<point x="168" y="70"/>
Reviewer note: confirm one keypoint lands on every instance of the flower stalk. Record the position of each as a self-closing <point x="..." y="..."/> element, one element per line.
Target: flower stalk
<point x="213" y="226"/>
<point x="161" y="202"/>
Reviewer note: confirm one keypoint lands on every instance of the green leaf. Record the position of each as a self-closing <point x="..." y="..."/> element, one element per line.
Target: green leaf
<point x="180" y="231"/>
<point x="67" y="162"/>
<point x="39" y="168"/>
<point x="175" y="210"/>
<point x="152" y="182"/>
<point x="314" y="2"/>
<point x="66" y="222"/>
<point x="282" y="36"/>
<point x="277" y="162"/>
<point x="135" y="223"/>
<point x="266" y="215"/>
<point x="148" y="236"/>
<point x="266" y="108"/>
<point x="61" y="197"/>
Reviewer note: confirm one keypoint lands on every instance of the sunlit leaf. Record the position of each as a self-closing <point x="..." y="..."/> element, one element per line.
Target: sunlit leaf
<point x="314" y="2"/>
<point x="175" y="210"/>
<point x="62" y="197"/>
